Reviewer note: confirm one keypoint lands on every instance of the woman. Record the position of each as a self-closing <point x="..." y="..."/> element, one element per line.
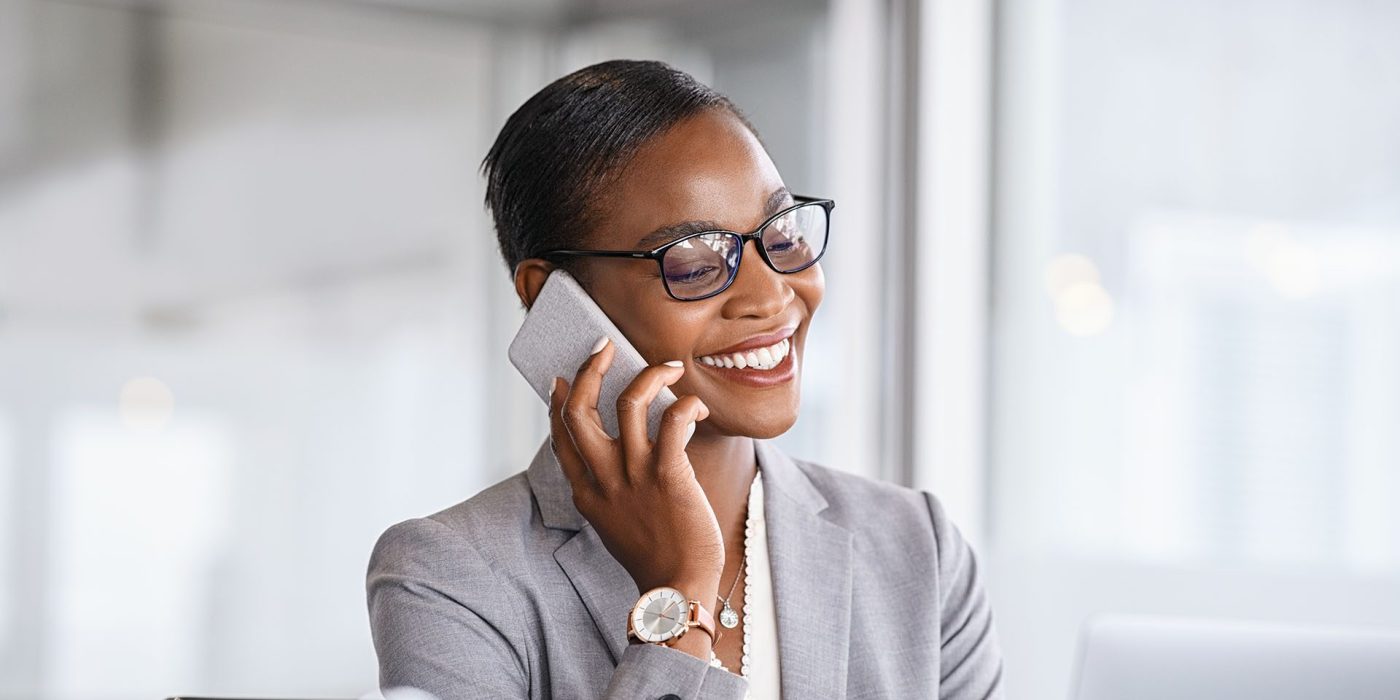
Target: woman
<point x="538" y="586"/>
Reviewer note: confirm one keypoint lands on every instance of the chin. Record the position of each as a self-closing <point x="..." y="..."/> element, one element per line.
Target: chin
<point x="766" y="431"/>
<point x="770" y="422"/>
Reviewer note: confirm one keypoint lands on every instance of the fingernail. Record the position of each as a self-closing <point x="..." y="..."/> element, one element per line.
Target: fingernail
<point x="553" y="387"/>
<point x="674" y="363"/>
<point x="599" y="345"/>
<point x="689" y="431"/>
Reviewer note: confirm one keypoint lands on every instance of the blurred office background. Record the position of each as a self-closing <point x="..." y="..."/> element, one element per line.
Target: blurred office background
<point x="1118" y="281"/>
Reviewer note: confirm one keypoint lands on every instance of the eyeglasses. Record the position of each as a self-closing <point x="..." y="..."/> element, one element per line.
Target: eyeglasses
<point x="700" y="265"/>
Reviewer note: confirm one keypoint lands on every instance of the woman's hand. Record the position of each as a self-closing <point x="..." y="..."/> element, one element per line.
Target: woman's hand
<point x="641" y="497"/>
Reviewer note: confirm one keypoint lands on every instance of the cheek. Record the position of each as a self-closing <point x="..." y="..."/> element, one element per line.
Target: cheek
<point x="664" y="330"/>
<point x="812" y="288"/>
<point x="659" y="327"/>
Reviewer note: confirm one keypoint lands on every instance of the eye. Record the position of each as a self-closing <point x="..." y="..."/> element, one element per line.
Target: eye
<point x="692" y="275"/>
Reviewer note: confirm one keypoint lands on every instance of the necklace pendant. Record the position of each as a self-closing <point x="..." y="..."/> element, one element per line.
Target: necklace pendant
<point x="728" y="617"/>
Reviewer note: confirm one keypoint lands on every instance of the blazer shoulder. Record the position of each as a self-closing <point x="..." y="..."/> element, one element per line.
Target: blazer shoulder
<point x="496" y="519"/>
<point x="852" y="500"/>
<point x="508" y="504"/>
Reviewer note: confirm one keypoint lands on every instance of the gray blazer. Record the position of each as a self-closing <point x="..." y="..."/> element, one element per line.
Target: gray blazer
<point x="511" y="594"/>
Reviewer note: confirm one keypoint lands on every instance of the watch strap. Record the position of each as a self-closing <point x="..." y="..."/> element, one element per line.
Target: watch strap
<point x="700" y="617"/>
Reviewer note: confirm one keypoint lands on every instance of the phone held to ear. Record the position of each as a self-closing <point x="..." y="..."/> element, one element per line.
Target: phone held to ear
<point x="558" y="334"/>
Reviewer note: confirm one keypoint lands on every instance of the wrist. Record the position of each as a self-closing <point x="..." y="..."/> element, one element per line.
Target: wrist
<point x="696" y="643"/>
<point x="703" y="588"/>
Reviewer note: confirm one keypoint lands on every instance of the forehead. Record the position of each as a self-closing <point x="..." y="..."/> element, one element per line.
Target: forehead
<point x="706" y="167"/>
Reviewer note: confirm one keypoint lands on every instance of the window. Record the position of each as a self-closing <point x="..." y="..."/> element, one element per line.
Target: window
<point x="7" y="553"/>
<point x="1196" y="329"/>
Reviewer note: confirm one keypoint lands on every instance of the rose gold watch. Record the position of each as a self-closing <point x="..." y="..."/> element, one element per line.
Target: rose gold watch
<point x="662" y="615"/>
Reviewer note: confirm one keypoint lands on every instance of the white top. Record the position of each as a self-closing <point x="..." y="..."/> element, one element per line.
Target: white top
<point x="758" y="611"/>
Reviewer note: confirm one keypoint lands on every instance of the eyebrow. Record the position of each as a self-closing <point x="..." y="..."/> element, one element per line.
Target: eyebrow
<point x="665" y="234"/>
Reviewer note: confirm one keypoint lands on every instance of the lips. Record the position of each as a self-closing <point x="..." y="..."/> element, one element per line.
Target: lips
<point x="758" y="341"/>
<point x="764" y="358"/>
<point x="784" y="372"/>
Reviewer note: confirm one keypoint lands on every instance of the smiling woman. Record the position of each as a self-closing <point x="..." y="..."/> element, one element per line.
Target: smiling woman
<point x="584" y="575"/>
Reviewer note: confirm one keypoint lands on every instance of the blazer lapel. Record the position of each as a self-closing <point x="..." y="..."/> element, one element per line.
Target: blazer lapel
<point x="811" y="562"/>
<point x="810" y="558"/>
<point x="604" y="586"/>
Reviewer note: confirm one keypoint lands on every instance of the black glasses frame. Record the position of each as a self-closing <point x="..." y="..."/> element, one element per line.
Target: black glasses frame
<point x="756" y="236"/>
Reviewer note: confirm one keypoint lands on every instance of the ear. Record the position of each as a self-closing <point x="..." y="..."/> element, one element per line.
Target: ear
<point x="530" y="275"/>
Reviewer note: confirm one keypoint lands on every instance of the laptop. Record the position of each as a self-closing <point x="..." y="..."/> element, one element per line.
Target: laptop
<point x="1135" y="657"/>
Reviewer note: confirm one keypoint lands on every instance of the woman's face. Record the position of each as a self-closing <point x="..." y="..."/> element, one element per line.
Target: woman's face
<point x="707" y="168"/>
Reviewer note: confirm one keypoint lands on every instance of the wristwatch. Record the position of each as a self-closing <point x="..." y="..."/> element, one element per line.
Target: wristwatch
<point x="662" y="615"/>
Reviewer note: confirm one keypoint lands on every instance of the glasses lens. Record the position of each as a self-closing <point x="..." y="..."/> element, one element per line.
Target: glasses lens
<point x="700" y="265"/>
<point x="796" y="239"/>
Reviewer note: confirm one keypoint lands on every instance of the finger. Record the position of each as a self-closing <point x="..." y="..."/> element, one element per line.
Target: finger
<point x="583" y="422"/>
<point x="676" y="430"/>
<point x="633" y="409"/>
<point x="574" y="468"/>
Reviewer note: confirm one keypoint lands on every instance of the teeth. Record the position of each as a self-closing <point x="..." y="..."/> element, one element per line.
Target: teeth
<point x="760" y="359"/>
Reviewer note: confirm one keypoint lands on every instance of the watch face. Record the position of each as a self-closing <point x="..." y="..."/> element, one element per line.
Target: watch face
<point x="660" y="614"/>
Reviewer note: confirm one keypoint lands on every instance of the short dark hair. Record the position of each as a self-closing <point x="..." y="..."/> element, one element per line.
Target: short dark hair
<point x="570" y="140"/>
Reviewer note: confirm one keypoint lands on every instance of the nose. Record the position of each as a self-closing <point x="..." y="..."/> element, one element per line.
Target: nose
<point x="758" y="290"/>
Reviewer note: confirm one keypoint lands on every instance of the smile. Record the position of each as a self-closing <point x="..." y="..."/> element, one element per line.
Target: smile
<point x="760" y="359"/>
<point x="775" y="365"/>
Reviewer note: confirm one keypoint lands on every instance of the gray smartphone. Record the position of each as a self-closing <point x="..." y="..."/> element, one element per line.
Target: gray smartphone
<point x="556" y="337"/>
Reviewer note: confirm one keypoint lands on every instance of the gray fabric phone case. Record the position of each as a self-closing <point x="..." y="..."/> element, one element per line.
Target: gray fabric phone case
<point x="556" y="337"/>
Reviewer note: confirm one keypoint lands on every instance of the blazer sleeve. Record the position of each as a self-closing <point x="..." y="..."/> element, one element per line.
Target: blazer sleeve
<point x="971" y="653"/>
<point x="443" y="622"/>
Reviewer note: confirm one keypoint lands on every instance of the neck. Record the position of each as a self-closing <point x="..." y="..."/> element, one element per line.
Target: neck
<point x="725" y="466"/>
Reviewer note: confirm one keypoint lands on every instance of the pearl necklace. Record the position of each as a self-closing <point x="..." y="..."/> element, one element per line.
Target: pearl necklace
<point x="748" y="540"/>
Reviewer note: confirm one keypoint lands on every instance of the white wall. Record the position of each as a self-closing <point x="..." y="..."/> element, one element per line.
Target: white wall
<point x="273" y="215"/>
